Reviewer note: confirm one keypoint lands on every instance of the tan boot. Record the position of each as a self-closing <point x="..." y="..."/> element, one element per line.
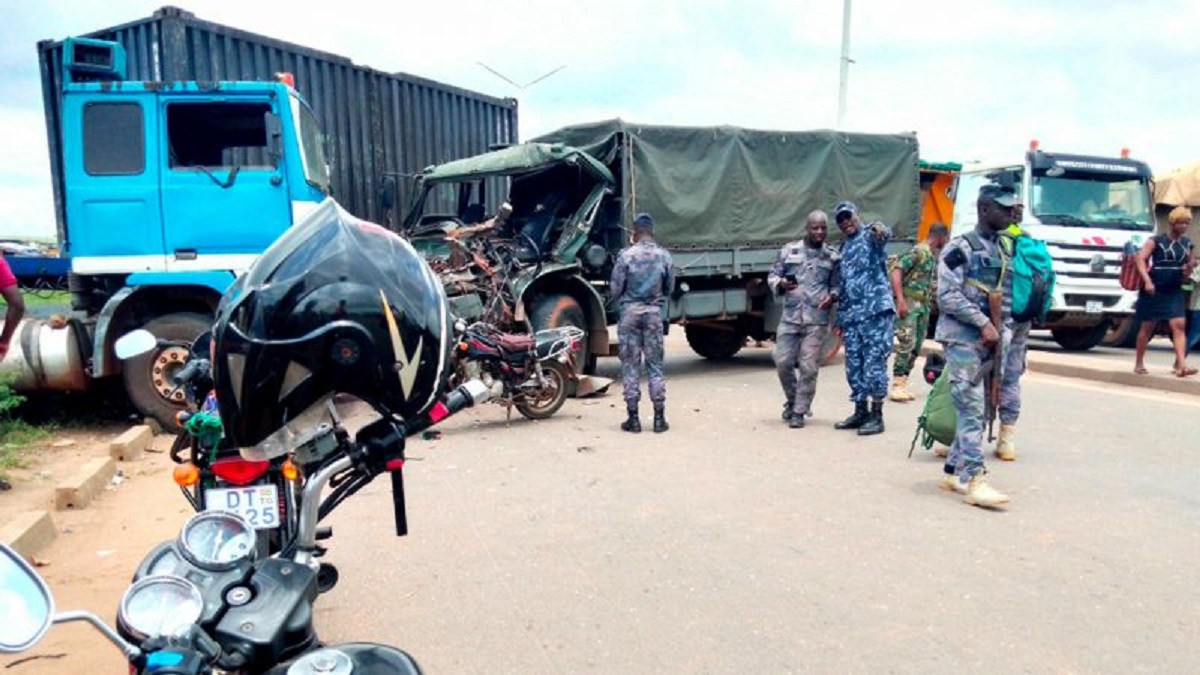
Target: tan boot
<point x="979" y="493"/>
<point x="941" y="451"/>
<point x="900" y="392"/>
<point x="1006" y="449"/>
<point x="950" y="483"/>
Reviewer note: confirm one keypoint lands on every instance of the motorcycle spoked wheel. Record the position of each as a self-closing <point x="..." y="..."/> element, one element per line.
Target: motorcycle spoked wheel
<point x="542" y="404"/>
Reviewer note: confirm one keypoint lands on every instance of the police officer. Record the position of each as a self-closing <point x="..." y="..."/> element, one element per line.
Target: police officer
<point x="806" y="275"/>
<point x="913" y="278"/>
<point x="971" y="267"/>
<point x="866" y="316"/>
<point x="642" y="279"/>
<point x="1014" y="368"/>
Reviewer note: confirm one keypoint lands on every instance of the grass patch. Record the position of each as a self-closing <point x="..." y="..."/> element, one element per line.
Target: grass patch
<point x="17" y="438"/>
<point x="46" y="298"/>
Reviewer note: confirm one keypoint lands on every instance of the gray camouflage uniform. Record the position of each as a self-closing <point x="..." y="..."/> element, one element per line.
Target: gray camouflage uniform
<point x="642" y="279"/>
<point x="804" y="326"/>
<point x="963" y="312"/>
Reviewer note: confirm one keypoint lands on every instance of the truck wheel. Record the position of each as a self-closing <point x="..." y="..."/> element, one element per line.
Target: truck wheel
<point x="556" y="311"/>
<point x="148" y="377"/>
<point x="714" y="343"/>
<point x="1121" y="333"/>
<point x="1080" y="339"/>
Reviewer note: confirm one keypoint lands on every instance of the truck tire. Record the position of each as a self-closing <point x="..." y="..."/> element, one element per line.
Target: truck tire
<point x="1122" y="333"/>
<point x="556" y="311"/>
<point x="714" y="343"/>
<point x="1080" y="339"/>
<point x="146" y="376"/>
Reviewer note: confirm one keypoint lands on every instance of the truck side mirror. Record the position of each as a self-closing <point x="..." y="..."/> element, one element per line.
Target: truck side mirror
<point x="387" y="193"/>
<point x="274" y="135"/>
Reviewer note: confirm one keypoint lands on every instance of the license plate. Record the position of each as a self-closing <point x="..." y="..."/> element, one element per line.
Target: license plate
<point x="1095" y="306"/>
<point x="256" y="504"/>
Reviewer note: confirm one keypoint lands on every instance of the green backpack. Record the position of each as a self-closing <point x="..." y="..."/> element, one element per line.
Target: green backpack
<point x="938" y="421"/>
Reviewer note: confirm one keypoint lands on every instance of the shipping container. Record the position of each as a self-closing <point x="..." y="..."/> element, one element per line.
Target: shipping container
<point x="377" y="124"/>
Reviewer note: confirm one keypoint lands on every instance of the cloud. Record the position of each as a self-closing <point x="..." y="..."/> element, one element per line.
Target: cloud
<point x="975" y="79"/>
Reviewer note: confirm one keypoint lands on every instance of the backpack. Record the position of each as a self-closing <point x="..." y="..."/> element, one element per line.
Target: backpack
<point x="1032" y="278"/>
<point x="939" y="420"/>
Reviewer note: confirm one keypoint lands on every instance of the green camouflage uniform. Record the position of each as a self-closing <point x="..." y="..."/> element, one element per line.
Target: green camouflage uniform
<point x="918" y="277"/>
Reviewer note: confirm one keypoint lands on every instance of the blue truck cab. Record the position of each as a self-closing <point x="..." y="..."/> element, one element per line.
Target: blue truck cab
<point x="170" y="189"/>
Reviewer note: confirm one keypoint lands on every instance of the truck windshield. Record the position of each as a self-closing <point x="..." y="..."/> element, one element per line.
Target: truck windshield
<point x="1082" y="200"/>
<point x="312" y="146"/>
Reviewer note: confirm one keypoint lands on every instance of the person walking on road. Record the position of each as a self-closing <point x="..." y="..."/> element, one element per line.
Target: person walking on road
<point x="642" y="279"/>
<point x="866" y="317"/>
<point x="11" y="291"/>
<point x="806" y="275"/>
<point x="1015" y="358"/>
<point x="1164" y="262"/>
<point x="971" y="268"/>
<point x="913" y="280"/>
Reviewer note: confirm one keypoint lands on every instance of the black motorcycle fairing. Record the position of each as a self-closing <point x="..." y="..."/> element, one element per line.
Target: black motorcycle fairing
<point x="277" y="623"/>
<point x="167" y="559"/>
<point x="368" y="658"/>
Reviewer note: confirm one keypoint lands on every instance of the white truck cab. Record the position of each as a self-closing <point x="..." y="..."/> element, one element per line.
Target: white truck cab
<point x="1086" y="209"/>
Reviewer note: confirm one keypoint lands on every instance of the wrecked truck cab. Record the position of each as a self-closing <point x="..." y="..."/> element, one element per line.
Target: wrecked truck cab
<point x="554" y="192"/>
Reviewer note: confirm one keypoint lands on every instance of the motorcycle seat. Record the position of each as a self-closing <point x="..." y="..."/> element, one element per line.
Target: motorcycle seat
<point x="515" y="342"/>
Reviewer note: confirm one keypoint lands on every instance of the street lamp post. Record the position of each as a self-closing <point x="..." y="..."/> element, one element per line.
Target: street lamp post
<point x="845" y="69"/>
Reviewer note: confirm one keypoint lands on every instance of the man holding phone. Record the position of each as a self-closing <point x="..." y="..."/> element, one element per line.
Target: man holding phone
<point x="806" y="275"/>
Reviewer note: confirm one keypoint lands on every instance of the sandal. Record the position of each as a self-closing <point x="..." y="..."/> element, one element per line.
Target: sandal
<point x="1141" y="370"/>
<point x="1186" y="371"/>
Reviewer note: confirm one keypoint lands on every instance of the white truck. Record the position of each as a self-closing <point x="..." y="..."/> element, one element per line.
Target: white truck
<point x="1086" y="209"/>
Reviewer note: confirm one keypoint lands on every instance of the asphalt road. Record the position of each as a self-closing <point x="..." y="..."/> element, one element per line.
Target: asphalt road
<point x="734" y="544"/>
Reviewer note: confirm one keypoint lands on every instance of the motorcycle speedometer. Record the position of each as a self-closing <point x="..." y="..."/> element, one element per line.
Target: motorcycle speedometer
<point x="160" y="605"/>
<point x="217" y="540"/>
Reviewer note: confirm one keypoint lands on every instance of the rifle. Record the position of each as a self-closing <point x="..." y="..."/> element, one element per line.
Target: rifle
<point x="995" y="313"/>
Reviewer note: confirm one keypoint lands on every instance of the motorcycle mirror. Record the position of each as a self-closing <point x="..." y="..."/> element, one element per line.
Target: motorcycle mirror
<point x="134" y="343"/>
<point x="29" y="607"/>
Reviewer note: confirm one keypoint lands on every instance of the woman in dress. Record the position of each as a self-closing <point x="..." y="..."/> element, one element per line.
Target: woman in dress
<point x="1164" y="262"/>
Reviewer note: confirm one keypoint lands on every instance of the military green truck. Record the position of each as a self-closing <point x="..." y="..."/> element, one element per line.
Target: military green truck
<point x="725" y="199"/>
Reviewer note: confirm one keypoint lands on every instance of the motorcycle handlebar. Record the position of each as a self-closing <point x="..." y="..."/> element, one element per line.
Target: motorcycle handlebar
<point x="190" y="371"/>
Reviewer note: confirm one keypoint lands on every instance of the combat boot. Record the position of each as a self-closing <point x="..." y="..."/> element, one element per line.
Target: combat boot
<point x="979" y="493"/>
<point x="1006" y="449"/>
<point x="796" y="421"/>
<point x="787" y="409"/>
<point x="900" y="392"/>
<point x="633" y="425"/>
<point x="857" y="419"/>
<point x="951" y="483"/>
<point x="660" y="420"/>
<point x="941" y="450"/>
<point x="874" y="423"/>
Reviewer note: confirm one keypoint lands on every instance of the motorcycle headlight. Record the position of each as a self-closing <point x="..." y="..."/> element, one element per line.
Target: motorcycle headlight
<point x="160" y="605"/>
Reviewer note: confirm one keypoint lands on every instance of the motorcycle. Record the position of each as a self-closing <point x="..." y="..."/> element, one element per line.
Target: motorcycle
<point x="210" y="474"/>
<point x="529" y="373"/>
<point x="206" y="604"/>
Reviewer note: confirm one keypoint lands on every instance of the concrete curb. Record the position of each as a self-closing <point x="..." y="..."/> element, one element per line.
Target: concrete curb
<point x="88" y="482"/>
<point x="130" y="445"/>
<point x="1038" y="364"/>
<point x="29" y="532"/>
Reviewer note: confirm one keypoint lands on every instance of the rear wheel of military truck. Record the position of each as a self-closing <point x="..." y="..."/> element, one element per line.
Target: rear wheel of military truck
<point x="148" y="376"/>
<point x="714" y="342"/>
<point x="1080" y="339"/>
<point x="556" y="311"/>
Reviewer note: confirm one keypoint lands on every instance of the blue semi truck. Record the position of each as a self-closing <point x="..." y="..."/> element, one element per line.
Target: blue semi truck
<point x="168" y="191"/>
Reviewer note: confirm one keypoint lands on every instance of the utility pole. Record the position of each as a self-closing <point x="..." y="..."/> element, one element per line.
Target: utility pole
<point x="845" y="74"/>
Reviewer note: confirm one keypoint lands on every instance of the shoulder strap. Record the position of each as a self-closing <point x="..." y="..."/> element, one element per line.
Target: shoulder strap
<point x="973" y="239"/>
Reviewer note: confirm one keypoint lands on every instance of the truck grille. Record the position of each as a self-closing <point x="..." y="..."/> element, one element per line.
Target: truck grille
<point x="1081" y="300"/>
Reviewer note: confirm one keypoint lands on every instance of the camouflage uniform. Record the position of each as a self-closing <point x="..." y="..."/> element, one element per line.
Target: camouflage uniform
<point x="867" y="313"/>
<point x="962" y="314"/>
<point x="1014" y="368"/>
<point x="917" y="266"/>
<point x="804" y="326"/>
<point x="642" y="278"/>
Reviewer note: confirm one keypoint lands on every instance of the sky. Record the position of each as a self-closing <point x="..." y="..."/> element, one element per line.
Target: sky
<point x="975" y="80"/>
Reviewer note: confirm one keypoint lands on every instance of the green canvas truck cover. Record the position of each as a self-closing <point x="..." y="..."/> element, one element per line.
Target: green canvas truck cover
<point x="722" y="187"/>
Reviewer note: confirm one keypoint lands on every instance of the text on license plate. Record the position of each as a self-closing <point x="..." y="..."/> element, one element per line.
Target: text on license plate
<point x="1095" y="306"/>
<point x="256" y="504"/>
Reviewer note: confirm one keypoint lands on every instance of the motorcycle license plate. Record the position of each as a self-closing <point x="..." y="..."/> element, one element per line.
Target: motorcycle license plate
<point x="1095" y="306"/>
<point x="256" y="504"/>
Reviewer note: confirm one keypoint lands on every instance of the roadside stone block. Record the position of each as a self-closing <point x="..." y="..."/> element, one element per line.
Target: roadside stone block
<point x="79" y="490"/>
<point x="29" y="532"/>
<point x="129" y="446"/>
